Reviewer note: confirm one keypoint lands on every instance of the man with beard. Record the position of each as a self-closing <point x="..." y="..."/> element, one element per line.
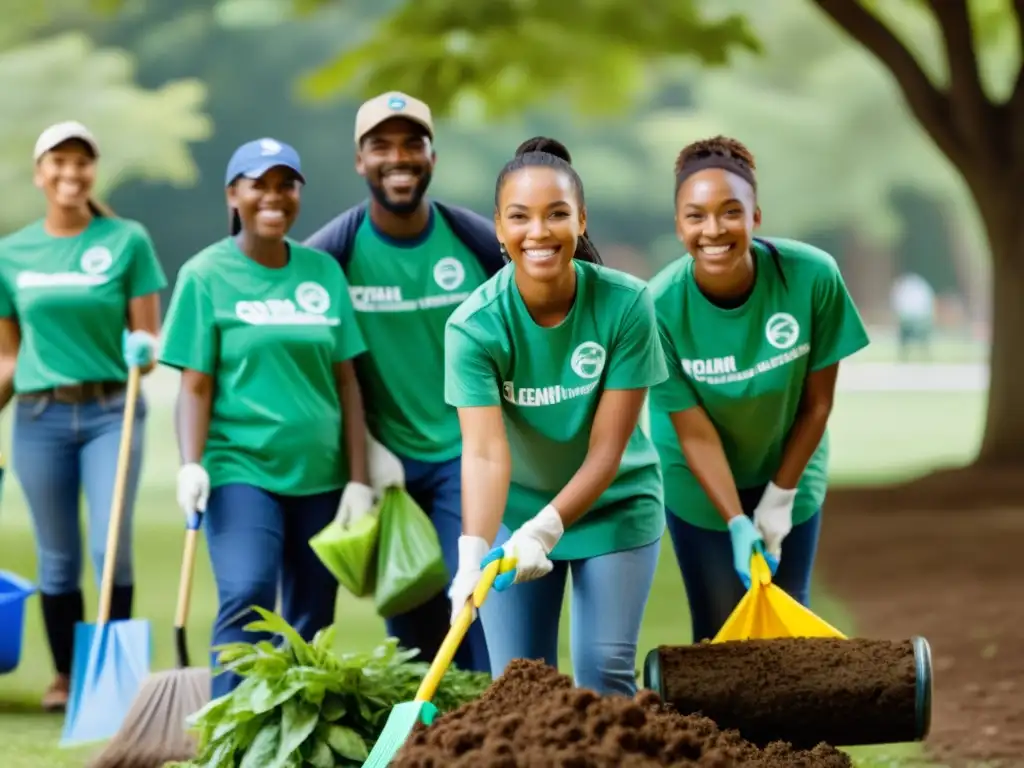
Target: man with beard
<point x="410" y="262"/>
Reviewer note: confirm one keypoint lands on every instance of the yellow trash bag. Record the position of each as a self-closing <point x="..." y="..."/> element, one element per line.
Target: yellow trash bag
<point x="767" y="612"/>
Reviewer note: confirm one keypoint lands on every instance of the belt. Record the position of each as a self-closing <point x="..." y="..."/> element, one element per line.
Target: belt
<point x="75" y="394"/>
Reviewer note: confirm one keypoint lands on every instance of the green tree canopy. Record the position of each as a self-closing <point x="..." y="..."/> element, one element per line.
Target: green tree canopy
<point x="143" y="134"/>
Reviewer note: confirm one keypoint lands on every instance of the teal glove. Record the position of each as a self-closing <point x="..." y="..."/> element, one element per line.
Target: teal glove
<point x="138" y="348"/>
<point x="746" y="540"/>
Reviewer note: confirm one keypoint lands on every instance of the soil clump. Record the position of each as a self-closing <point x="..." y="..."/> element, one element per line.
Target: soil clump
<point x="532" y="717"/>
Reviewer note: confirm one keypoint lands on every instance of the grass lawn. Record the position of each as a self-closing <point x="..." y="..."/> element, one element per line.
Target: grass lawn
<point x="874" y="436"/>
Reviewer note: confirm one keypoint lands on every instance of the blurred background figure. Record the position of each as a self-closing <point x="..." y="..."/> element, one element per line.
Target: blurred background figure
<point x="913" y="303"/>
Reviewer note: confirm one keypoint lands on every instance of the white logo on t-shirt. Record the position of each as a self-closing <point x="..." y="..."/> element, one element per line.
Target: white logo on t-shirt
<point x="588" y="360"/>
<point x="93" y="266"/>
<point x="312" y="297"/>
<point x="449" y="273"/>
<point x="782" y="330"/>
<point x="96" y="260"/>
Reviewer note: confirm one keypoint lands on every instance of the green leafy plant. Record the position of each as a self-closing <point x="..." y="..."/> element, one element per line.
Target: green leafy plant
<point x="301" y="706"/>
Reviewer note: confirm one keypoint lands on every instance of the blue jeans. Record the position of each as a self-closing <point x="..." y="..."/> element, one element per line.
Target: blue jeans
<point x="713" y="588"/>
<point x="59" y="450"/>
<point x="437" y="489"/>
<point x="259" y="541"/>
<point x="609" y="595"/>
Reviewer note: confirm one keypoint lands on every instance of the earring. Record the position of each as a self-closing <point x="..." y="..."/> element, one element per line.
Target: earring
<point x="504" y="253"/>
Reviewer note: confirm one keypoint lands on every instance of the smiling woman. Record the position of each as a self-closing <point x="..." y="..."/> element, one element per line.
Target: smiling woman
<point x="270" y="415"/>
<point x="548" y="364"/>
<point x="753" y="331"/>
<point x="79" y="305"/>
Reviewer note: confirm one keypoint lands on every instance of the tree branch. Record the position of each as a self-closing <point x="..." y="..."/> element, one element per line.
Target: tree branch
<point x="971" y="108"/>
<point x="929" y="105"/>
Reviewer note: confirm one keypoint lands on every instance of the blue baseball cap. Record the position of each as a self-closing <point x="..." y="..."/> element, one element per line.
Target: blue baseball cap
<point x="255" y="158"/>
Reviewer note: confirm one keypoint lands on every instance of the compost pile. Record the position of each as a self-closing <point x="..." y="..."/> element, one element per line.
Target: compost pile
<point x="532" y="716"/>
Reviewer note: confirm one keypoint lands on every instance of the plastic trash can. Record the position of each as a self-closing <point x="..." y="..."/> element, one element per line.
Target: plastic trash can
<point x="14" y="591"/>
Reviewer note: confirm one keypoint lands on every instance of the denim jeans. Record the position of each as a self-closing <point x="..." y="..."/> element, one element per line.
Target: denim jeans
<point x="609" y="595"/>
<point x="437" y="488"/>
<point x="713" y="587"/>
<point x="59" y="450"/>
<point x="258" y="542"/>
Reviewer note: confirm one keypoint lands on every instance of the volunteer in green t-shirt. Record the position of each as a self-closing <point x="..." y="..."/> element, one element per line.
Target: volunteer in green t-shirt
<point x="753" y="331"/>
<point x="410" y="260"/>
<point x="79" y="304"/>
<point x="270" y="418"/>
<point x="549" y="363"/>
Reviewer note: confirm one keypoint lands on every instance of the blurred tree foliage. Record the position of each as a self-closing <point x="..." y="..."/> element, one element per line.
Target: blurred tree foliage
<point x="52" y="72"/>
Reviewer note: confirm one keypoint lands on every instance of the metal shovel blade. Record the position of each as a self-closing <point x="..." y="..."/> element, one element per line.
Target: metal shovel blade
<point x="110" y="663"/>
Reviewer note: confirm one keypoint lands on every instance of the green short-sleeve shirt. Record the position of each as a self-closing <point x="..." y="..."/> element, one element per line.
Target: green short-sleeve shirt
<point x="404" y="292"/>
<point x="70" y="296"/>
<point x="270" y="339"/>
<point x="548" y="382"/>
<point x="747" y="367"/>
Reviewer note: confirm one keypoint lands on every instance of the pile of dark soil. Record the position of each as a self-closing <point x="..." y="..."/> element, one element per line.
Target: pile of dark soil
<point x="533" y="717"/>
<point x="803" y="691"/>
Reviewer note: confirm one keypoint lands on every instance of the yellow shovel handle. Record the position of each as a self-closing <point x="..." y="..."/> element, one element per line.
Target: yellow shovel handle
<point x="458" y="631"/>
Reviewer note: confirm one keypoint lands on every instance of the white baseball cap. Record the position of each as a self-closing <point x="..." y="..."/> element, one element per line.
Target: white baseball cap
<point x="58" y="133"/>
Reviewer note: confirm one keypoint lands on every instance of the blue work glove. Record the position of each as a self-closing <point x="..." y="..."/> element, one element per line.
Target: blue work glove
<point x="138" y="348"/>
<point x="746" y="540"/>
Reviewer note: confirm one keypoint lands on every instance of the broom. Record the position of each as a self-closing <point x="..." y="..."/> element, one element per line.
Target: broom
<point x="154" y="730"/>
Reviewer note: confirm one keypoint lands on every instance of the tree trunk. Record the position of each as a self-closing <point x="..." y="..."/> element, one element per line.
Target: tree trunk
<point x="1003" y="442"/>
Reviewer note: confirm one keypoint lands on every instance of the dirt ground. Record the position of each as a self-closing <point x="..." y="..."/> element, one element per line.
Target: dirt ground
<point x="943" y="558"/>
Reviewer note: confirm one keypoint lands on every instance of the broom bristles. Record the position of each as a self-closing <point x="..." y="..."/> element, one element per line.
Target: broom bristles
<point x="154" y="730"/>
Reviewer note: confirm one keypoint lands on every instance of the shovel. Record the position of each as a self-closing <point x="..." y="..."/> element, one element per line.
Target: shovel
<point x="111" y="659"/>
<point x="405" y="716"/>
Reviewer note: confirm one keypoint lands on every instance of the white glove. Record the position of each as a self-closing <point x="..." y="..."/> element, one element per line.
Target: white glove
<point x="356" y="502"/>
<point x="774" y="517"/>
<point x="385" y="468"/>
<point x="193" y="489"/>
<point x="472" y="550"/>
<point x="531" y="545"/>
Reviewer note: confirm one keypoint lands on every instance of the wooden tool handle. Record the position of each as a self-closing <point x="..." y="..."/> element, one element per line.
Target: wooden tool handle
<point x="117" y="503"/>
<point x="188" y="561"/>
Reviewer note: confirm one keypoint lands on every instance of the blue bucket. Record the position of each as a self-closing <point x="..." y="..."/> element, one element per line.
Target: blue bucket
<point x="14" y="591"/>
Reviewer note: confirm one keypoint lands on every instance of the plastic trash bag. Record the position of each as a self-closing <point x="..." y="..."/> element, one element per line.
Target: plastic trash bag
<point x="410" y="565"/>
<point x="351" y="553"/>
<point x="767" y="612"/>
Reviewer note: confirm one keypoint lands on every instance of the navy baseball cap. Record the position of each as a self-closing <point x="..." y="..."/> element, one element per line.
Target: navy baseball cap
<point x="255" y="158"/>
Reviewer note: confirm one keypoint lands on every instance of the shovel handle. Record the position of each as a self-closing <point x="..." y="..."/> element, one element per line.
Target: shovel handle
<point x="188" y="561"/>
<point x="458" y="630"/>
<point x="124" y="458"/>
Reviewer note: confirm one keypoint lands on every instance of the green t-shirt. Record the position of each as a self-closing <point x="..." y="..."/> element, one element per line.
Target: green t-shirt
<point x="746" y="367"/>
<point x="403" y="292"/>
<point x="270" y="339"/>
<point x="548" y="382"/>
<point x="70" y="296"/>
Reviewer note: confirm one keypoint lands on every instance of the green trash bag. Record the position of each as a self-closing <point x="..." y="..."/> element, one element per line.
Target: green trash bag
<point x="351" y="553"/>
<point x="410" y="566"/>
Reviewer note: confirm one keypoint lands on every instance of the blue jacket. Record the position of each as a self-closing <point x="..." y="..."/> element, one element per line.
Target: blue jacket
<point x="337" y="236"/>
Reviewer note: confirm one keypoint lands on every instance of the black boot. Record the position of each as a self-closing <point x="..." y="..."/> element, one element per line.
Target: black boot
<point x="121" y="603"/>
<point x="60" y="614"/>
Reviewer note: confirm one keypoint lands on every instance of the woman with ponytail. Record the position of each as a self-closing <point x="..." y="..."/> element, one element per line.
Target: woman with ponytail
<point x="548" y="364"/>
<point x="79" y="305"/>
<point x="753" y="331"/>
